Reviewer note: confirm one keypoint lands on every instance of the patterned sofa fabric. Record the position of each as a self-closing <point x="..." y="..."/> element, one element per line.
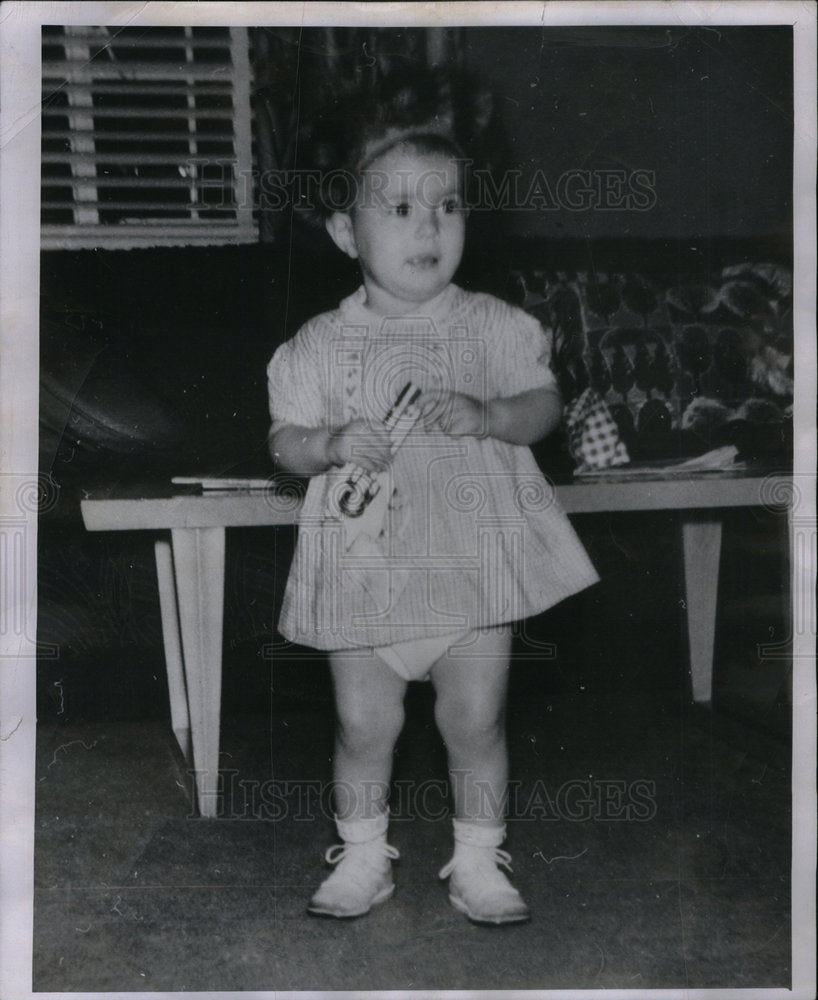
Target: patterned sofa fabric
<point x="684" y="368"/>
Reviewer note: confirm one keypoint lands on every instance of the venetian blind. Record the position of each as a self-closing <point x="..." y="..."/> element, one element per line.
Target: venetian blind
<point x="146" y="137"/>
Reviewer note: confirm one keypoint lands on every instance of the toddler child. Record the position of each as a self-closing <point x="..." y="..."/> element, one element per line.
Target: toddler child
<point x="466" y="537"/>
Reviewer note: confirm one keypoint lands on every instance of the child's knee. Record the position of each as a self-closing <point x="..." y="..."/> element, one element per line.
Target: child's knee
<point x="360" y="727"/>
<point x="470" y="724"/>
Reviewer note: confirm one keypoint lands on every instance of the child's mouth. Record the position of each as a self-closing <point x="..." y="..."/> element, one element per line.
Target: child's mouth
<point x="423" y="261"/>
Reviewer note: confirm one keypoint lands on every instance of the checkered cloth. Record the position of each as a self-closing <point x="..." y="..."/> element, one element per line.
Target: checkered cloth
<point x="593" y="437"/>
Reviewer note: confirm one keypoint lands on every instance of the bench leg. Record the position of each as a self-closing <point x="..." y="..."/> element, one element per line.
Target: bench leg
<point x="171" y="638"/>
<point x="198" y="559"/>
<point x="702" y="554"/>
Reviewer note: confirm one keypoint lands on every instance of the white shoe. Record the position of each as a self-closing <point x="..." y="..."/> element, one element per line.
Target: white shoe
<point x="362" y="877"/>
<point x="477" y="887"/>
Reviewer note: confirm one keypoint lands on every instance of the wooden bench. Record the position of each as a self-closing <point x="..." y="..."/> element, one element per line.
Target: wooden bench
<point x="191" y="565"/>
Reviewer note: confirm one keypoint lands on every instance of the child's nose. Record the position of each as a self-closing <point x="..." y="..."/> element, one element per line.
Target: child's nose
<point x="428" y="223"/>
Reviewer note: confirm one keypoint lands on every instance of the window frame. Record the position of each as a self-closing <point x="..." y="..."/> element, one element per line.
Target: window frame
<point x="81" y="74"/>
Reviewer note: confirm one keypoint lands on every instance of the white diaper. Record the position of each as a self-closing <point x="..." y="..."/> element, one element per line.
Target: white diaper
<point x="414" y="658"/>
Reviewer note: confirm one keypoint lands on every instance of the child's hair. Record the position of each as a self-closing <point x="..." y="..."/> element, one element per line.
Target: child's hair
<point x="430" y="110"/>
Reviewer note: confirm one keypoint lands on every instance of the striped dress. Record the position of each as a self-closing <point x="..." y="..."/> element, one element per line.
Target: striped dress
<point x="474" y="535"/>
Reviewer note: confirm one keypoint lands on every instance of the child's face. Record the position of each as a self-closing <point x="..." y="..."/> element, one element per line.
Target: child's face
<point x="407" y="228"/>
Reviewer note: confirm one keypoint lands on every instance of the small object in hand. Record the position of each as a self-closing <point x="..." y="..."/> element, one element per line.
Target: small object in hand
<point x="362" y="487"/>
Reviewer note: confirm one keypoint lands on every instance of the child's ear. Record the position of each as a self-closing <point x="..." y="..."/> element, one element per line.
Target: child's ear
<point x="339" y="226"/>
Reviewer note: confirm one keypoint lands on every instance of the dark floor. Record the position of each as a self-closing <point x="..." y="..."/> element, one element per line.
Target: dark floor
<point x="650" y="837"/>
<point x="651" y="841"/>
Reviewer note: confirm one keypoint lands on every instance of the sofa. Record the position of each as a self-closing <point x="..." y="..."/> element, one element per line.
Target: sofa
<point x="686" y="362"/>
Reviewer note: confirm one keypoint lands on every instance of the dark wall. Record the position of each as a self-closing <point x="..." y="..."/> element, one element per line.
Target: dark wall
<point x="157" y="357"/>
<point x="707" y="112"/>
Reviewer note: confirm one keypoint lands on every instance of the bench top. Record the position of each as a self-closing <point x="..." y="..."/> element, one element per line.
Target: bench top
<point x="159" y="507"/>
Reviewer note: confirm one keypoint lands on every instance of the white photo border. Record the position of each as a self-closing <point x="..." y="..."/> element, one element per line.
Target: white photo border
<point x="20" y="37"/>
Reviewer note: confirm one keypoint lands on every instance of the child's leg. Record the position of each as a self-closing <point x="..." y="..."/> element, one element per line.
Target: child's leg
<point x="369" y="705"/>
<point x="470" y="711"/>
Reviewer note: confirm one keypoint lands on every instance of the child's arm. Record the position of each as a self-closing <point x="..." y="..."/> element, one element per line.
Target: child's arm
<point x="521" y="419"/>
<point x="308" y="451"/>
<point x="527" y="417"/>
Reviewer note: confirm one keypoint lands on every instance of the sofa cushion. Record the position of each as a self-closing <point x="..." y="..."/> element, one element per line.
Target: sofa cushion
<point x="684" y="368"/>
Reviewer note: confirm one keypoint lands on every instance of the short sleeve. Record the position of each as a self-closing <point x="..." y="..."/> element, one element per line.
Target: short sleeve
<point x="520" y="352"/>
<point x="294" y="381"/>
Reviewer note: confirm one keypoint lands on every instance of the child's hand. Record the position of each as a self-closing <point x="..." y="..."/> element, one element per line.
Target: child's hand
<point x="362" y="444"/>
<point x="454" y="414"/>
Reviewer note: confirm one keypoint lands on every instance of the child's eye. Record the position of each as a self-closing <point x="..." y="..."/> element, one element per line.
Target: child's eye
<point x="402" y="209"/>
<point x="451" y="205"/>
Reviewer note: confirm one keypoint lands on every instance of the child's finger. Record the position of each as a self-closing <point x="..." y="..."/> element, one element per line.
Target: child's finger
<point x="435" y="407"/>
<point x="369" y="464"/>
<point x="373" y="451"/>
<point x="427" y="401"/>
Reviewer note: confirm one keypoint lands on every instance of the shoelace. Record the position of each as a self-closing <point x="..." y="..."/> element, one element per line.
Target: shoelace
<point x="338" y="852"/>
<point x="492" y="854"/>
<point x="357" y="858"/>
